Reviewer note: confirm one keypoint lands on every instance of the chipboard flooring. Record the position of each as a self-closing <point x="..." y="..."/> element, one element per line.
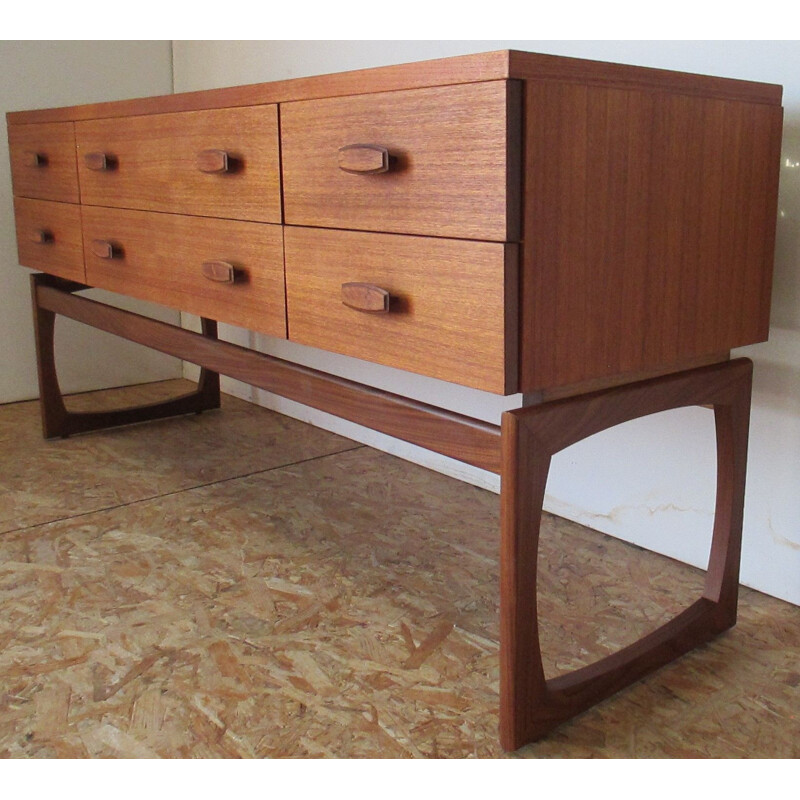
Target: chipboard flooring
<point x="240" y="584"/>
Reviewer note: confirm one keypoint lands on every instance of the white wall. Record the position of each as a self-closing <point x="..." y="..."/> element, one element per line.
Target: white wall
<point x="649" y="482"/>
<point x="42" y="75"/>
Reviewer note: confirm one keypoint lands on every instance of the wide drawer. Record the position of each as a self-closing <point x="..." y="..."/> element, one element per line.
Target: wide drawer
<point x="217" y="163"/>
<point x="452" y="304"/>
<point x="226" y="270"/>
<point x="43" y="161"/>
<point x="49" y="237"/>
<point x="450" y="153"/>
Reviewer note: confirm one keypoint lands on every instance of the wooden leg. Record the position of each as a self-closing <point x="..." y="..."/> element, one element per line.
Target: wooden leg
<point x="57" y="421"/>
<point x="530" y="705"/>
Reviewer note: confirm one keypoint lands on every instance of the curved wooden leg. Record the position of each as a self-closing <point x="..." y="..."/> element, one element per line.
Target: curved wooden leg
<point x="530" y="705"/>
<point x="57" y="421"/>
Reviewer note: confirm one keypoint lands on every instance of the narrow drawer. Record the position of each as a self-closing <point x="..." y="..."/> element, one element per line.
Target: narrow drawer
<point x="226" y="270"/>
<point x="450" y="154"/>
<point x="452" y="305"/>
<point x="218" y="163"/>
<point x="43" y="161"/>
<point x="49" y="237"/>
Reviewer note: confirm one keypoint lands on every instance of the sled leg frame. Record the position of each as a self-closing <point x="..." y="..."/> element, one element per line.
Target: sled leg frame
<point x="530" y="704"/>
<point x="57" y="421"/>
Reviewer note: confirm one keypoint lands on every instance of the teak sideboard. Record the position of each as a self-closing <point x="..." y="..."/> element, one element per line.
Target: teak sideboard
<point x="596" y="237"/>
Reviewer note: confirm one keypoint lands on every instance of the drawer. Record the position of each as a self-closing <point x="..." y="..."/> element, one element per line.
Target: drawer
<point x="218" y="163"/>
<point x="452" y="304"/>
<point x="450" y="156"/>
<point x="49" y="237"/>
<point x="187" y="263"/>
<point x="43" y="161"/>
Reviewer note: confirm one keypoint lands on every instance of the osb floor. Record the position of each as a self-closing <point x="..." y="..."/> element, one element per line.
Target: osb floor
<point x="239" y="584"/>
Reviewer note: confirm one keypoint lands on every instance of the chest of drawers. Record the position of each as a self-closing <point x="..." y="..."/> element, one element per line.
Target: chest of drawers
<point x="594" y="236"/>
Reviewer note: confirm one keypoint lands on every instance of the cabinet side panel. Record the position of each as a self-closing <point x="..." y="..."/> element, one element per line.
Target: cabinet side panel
<point x="648" y="231"/>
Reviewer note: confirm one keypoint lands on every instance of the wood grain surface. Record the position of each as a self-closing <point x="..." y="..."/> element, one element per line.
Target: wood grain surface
<point x="156" y="163"/>
<point x="60" y="422"/>
<point x="453" y="149"/>
<point x="451" y="312"/>
<point x="472" y="68"/>
<point x="649" y="205"/>
<point x="55" y="177"/>
<point x="531" y="705"/>
<point x="649" y="229"/>
<point x="649" y="196"/>
<point x="442" y="431"/>
<point x="156" y="605"/>
<point x="49" y="237"/>
<point x="160" y="257"/>
<point x="543" y="67"/>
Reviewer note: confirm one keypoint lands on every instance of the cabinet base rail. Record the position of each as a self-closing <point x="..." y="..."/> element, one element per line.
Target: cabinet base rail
<point x="454" y="435"/>
<point x="520" y="450"/>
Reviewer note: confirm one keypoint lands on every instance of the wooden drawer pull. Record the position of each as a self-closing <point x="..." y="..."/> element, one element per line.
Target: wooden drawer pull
<point x="42" y="236"/>
<point x="212" y="161"/>
<point x="219" y="271"/>
<point x="364" y="159"/>
<point x="365" y="297"/>
<point x="33" y="159"/>
<point x="99" y="162"/>
<point x="104" y="249"/>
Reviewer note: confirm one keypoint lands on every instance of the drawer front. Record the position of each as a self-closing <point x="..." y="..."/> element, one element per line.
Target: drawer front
<point x="43" y="161"/>
<point x="451" y="310"/>
<point x="183" y="262"/>
<point x="453" y="155"/>
<point x="49" y="237"/>
<point x="218" y="163"/>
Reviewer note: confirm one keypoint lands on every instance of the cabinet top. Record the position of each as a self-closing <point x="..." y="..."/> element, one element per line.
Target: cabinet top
<point x="496" y="65"/>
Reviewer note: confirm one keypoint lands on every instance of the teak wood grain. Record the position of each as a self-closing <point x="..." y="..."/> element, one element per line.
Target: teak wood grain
<point x="49" y="237"/>
<point x="454" y="435"/>
<point x="531" y="705"/>
<point x="160" y="257"/>
<point x="58" y="421"/>
<point x="366" y="297"/>
<point x="649" y="197"/>
<point x="649" y="230"/>
<point x="454" y="150"/>
<point x="451" y="312"/>
<point x="155" y="163"/>
<point x="43" y="161"/>
<point x="364" y="159"/>
<point x="546" y="225"/>
<point x="473" y="68"/>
